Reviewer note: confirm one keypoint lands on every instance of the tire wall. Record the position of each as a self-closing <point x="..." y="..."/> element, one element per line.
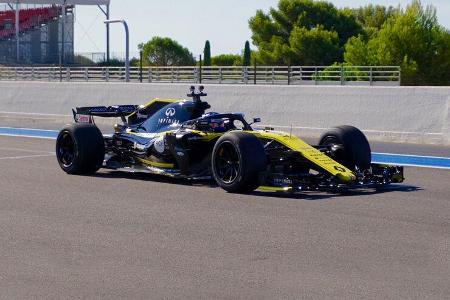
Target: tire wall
<point x="392" y="114"/>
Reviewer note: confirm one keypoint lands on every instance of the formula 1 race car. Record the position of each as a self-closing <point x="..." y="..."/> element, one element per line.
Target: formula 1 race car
<point x="178" y="138"/>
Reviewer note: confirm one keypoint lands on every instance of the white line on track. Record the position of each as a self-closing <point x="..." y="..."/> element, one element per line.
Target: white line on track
<point x="411" y="155"/>
<point x="28" y="118"/>
<point x="29" y="129"/>
<point x="258" y="126"/>
<point x="27" y="156"/>
<point x="23" y="150"/>
<point x="324" y="129"/>
<point x="412" y="165"/>
<point x="28" y="136"/>
<point x="33" y="114"/>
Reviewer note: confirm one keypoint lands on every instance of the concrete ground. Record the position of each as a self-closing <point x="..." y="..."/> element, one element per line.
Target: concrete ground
<point x="125" y="236"/>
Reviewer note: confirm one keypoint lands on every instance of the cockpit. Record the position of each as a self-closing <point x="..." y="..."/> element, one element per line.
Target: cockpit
<point x="189" y="114"/>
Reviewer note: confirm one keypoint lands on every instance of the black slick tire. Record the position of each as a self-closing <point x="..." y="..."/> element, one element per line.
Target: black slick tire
<point x="349" y="146"/>
<point x="238" y="162"/>
<point x="80" y="149"/>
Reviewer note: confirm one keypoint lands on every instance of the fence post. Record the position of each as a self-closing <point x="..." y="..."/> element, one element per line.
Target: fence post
<point x="254" y="73"/>
<point x="342" y="75"/>
<point x="245" y="73"/>
<point x="399" y="75"/>
<point x="171" y="75"/>
<point x="315" y="76"/>
<point x="140" y="66"/>
<point x="200" y="71"/>
<point x="273" y="75"/>
<point x="86" y="74"/>
<point x="220" y="75"/>
<point x="68" y="76"/>
<point x="370" y="76"/>
<point x="289" y="75"/>
<point x="150" y="75"/>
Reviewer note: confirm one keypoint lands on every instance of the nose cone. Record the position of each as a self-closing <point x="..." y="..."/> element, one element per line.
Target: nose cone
<point x="346" y="177"/>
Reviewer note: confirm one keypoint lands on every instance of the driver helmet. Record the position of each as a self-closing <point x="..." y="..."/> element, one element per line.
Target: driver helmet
<point x="217" y="125"/>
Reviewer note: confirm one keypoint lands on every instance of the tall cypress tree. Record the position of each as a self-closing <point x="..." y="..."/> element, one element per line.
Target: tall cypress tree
<point x="247" y="55"/>
<point x="207" y="54"/>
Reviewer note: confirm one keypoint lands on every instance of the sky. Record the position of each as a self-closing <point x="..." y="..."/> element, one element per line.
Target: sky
<point x="223" y="22"/>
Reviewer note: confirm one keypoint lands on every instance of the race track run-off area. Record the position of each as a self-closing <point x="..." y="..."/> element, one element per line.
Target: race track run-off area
<point x="117" y="235"/>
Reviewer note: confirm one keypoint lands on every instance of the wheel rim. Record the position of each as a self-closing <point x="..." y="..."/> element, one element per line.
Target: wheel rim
<point x="330" y="141"/>
<point x="227" y="163"/>
<point x="339" y="155"/>
<point x="66" y="150"/>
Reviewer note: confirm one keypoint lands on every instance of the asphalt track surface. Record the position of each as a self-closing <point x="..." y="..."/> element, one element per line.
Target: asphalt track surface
<point x="128" y="236"/>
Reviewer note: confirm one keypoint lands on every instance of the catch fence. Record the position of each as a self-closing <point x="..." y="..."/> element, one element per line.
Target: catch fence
<point x="276" y="75"/>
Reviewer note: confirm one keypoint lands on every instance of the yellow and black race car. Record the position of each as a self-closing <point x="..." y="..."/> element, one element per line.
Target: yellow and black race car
<point x="178" y="138"/>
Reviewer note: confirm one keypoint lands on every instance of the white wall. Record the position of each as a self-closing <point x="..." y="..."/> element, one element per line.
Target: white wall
<point x="399" y="114"/>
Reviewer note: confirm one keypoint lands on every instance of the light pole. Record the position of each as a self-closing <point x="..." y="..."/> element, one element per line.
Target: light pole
<point x="17" y="31"/>
<point x="127" y="47"/>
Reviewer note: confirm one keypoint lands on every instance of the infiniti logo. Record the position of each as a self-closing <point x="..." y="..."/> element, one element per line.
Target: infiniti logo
<point x="170" y="112"/>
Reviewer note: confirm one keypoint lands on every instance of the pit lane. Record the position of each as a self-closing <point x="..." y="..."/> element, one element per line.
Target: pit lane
<point x="118" y="235"/>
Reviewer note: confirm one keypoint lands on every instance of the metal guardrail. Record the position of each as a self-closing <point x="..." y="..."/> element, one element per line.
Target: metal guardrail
<point x="296" y="75"/>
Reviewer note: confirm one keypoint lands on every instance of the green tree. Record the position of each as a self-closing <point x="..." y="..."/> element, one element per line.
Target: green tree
<point x="166" y="52"/>
<point x="373" y="16"/>
<point x="412" y="39"/>
<point x="281" y="34"/>
<point x="316" y="46"/>
<point x="226" y="60"/>
<point x="207" y="54"/>
<point x="246" y="60"/>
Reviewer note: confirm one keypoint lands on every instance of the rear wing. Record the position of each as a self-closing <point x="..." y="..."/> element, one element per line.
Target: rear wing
<point x="86" y="114"/>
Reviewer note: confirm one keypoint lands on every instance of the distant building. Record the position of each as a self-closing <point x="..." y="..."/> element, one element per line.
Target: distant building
<point x="40" y="39"/>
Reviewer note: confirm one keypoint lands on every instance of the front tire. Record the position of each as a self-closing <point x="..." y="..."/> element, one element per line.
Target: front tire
<point x="80" y="149"/>
<point x="238" y="162"/>
<point x="349" y="146"/>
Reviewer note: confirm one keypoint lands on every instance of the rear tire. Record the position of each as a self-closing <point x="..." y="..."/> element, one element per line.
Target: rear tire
<point x="80" y="149"/>
<point x="238" y="162"/>
<point x="349" y="146"/>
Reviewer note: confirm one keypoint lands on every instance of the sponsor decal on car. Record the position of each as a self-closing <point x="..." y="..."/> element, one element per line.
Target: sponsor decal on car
<point x="127" y="108"/>
<point x="83" y="119"/>
<point x="160" y="145"/>
<point x="169" y="120"/>
<point x="170" y="112"/>
<point x="98" y="109"/>
<point x="138" y="146"/>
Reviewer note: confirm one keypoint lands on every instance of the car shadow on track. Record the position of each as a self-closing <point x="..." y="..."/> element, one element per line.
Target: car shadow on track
<point x="309" y="195"/>
<point x="155" y="178"/>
